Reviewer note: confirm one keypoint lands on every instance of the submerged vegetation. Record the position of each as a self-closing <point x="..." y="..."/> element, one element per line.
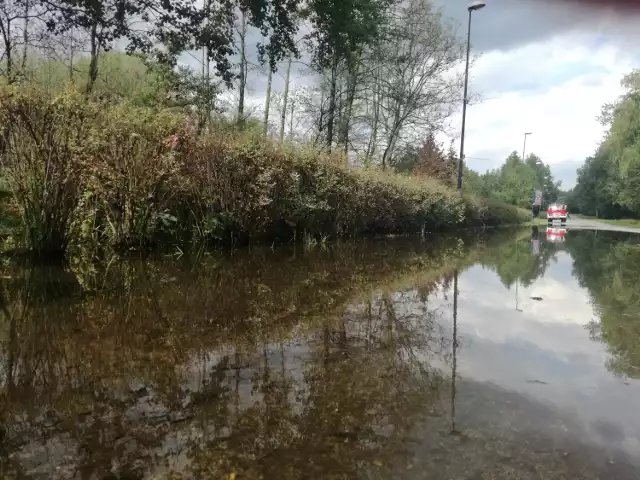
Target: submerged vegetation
<point x="121" y="175"/>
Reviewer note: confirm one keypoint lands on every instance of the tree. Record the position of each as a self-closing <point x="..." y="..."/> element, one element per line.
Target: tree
<point x="415" y="94"/>
<point x="428" y="160"/>
<point x="21" y="28"/>
<point x="285" y="99"/>
<point x="595" y="193"/>
<point x="514" y="181"/>
<point x="608" y="184"/>
<point x="341" y="29"/>
<point x="243" y="64"/>
<point x="177" y="26"/>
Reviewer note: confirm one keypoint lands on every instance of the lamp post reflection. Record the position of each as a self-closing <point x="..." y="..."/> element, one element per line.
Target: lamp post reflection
<point x="518" y="309"/>
<point x="455" y="351"/>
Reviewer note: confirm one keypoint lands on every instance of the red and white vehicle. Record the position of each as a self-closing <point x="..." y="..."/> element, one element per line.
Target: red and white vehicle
<point x="557" y="211"/>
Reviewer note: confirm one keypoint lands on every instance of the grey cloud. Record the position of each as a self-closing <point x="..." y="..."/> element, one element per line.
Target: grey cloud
<point x="508" y="24"/>
<point x="528" y="77"/>
<point x="257" y="75"/>
<point x="502" y="26"/>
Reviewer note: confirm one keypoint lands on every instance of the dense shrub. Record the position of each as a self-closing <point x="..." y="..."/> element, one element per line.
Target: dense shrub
<point x="250" y="188"/>
<point x="41" y="141"/>
<point x="124" y="175"/>
<point x="129" y="173"/>
<point x="489" y="212"/>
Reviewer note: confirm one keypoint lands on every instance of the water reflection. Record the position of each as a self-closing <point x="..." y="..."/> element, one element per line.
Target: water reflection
<point x="609" y="268"/>
<point x="385" y="359"/>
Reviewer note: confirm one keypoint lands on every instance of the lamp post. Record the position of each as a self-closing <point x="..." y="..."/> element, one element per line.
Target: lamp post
<point x="524" y="151"/>
<point x="524" y="147"/>
<point x="477" y="5"/>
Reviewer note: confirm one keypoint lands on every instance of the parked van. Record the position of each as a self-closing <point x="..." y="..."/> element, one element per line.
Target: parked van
<point x="557" y="211"/>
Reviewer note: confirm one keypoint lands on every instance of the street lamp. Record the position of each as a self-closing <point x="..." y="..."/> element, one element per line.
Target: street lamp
<point x="476" y="5"/>
<point x="524" y="147"/>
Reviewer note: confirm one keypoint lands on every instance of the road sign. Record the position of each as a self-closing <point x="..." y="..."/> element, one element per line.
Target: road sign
<point x="537" y="197"/>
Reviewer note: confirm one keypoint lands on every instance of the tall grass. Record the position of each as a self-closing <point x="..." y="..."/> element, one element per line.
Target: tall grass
<point x="125" y="176"/>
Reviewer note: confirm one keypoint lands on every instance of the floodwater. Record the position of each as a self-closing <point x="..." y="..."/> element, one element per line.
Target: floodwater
<point x="510" y="355"/>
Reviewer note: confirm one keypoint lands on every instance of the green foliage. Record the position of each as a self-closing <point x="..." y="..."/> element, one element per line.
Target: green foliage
<point x="514" y="181"/>
<point x="343" y="27"/>
<point x="136" y="79"/>
<point x="256" y="189"/>
<point x="597" y="188"/>
<point x="86" y="170"/>
<point x="608" y="183"/>
<point x="174" y="27"/>
<point x="120" y="76"/>
<point x="608" y="266"/>
<point x="490" y="212"/>
<point x="41" y="142"/>
<point x="428" y="160"/>
<point x="128" y="166"/>
<point x="9" y="215"/>
<point x="178" y="25"/>
<point x="121" y="175"/>
<point x="514" y="261"/>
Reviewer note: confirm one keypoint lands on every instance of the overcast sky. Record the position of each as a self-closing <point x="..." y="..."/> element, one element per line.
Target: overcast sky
<point x="544" y="66"/>
<point x="547" y="68"/>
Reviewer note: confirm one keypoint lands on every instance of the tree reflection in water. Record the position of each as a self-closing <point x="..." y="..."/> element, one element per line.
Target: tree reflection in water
<point x="258" y="365"/>
<point x="262" y="365"/>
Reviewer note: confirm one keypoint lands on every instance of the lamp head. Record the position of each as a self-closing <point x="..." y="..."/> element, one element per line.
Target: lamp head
<point x="477" y="5"/>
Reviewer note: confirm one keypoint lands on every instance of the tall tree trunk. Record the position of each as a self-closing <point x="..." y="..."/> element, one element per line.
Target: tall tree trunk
<point x="6" y="37"/>
<point x="337" y="123"/>
<point x="332" y="101"/>
<point x="207" y="74"/>
<point x="25" y="39"/>
<point x="267" y="103"/>
<point x="321" y="116"/>
<point x="283" y="118"/>
<point x="243" y="67"/>
<point x="93" y="62"/>
<point x="393" y="137"/>
<point x="291" y="114"/>
<point x="373" y="141"/>
<point x="71" y="54"/>
<point x="352" y="78"/>
<point x="8" y="49"/>
<point x="202" y="101"/>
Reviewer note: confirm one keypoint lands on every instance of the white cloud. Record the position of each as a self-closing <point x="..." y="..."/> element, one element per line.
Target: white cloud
<point x="554" y="89"/>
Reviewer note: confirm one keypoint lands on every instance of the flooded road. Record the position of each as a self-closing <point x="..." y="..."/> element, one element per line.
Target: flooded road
<point x="508" y="355"/>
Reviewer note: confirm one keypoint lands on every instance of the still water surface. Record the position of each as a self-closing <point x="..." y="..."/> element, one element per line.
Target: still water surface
<point x="465" y="358"/>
